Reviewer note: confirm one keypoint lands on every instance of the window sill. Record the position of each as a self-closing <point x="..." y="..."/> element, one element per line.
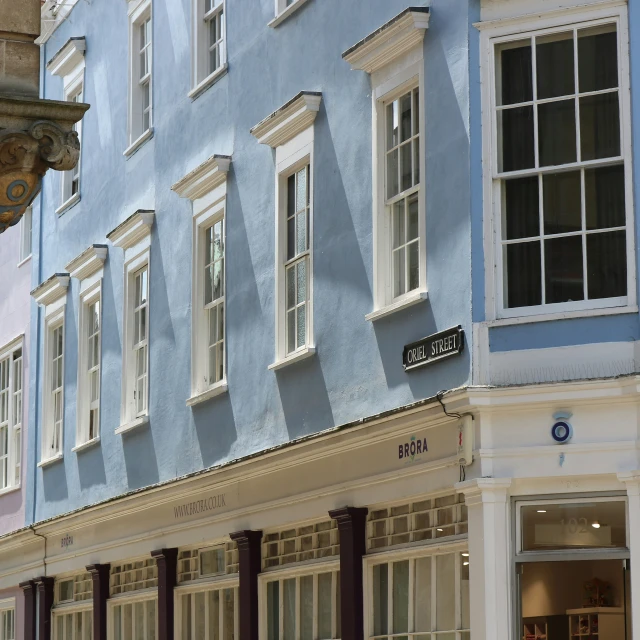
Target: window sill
<point x="216" y="390"/>
<point x="86" y="445"/>
<point x="52" y="460"/>
<point x="404" y="303"/>
<point x="134" y="424"/>
<point x="73" y="200"/>
<point x="24" y="261"/>
<point x="303" y="354"/>
<point x="208" y="82"/>
<point x="281" y="17"/>
<point x="11" y="489"/>
<point x="131" y="149"/>
<point x="567" y="315"/>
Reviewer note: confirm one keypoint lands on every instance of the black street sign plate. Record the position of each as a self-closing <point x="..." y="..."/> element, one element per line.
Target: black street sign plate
<point x="433" y="348"/>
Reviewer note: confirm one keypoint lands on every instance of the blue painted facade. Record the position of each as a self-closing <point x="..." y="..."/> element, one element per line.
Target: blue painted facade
<point x="357" y="369"/>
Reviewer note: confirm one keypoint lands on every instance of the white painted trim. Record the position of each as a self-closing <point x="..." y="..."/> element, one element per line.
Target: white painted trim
<point x="52" y="322"/>
<point x="23" y="261"/>
<point x="289" y="120"/>
<point x="14" y="423"/>
<point x="513" y="28"/>
<point x="211" y="174"/>
<point x="73" y="200"/>
<point x="296" y="356"/>
<point x="134" y="146"/>
<point x="11" y="488"/>
<point x="406" y="301"/>
<point x="213" y="392"/>
<point x="283" y="14"/>
<point x="390" y="42"/>
<point x="134" y="424"/>
<point x="134" y="229"/>
<point x="51" y="290"/>
<point x="209" y="81"/>
<point x="51" y="460"/>
<point x="7" y="603"/>
<point x="86" y="445"/>
<point x="88" y="263"/>
<point x="548" y="317"/>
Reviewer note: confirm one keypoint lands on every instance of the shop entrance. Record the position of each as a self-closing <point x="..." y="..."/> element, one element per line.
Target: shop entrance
<point x="572" y="571"/>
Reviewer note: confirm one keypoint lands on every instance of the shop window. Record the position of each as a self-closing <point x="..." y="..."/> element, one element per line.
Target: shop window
<point x="134" y="620"/>
<point x="209" y="613"/>
<point x="133" y="576"/>
<point x="415" y="595"/>
<point x="296" y="544"/>
<point x="430" y="519"/>
<point x="72" y="613"/>
<point x="194" y="564"/>
<point x="7" y="620"/>
<point x="75" y="589"/>
<point x="303" y="606"/>
<point x="573" y="525"/>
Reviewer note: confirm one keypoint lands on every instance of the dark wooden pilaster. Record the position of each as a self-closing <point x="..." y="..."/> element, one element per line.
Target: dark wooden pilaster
<point x="45" y="602"/>
<point x="352" y="526"/>
<point x="167" y="561"/>
<point x="249" y="560"/>
<point x="29" y="609"/>
<point x="100" y="581"/>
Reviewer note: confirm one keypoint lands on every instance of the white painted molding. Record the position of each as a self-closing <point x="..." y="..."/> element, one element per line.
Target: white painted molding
<point x="413" y="298"/>
<point x="51" y="290"/>
<point x="392" y="40"/>
<point x="133" y="229"/>
<point x="482" y="490"/>
<point x="297" y="356"/>
<point x="289" y="120"/>
<point x="283" y="15"/>
<point x="68" y="58"/>
<point x="213" y="392"/>
<point x="204" y="178"/>
<point x="90" y="261"/>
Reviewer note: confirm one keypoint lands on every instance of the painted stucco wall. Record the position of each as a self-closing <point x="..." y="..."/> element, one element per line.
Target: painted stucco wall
<point x="357" y="370"/>
<point x="15" y="305"/>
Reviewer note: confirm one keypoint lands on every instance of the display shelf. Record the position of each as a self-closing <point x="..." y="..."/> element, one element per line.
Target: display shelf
<point x="591" y="622"/>
<point x="544" y="628"/>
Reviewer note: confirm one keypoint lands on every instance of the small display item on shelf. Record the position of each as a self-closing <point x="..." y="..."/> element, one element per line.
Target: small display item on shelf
<point x="595" y="623"/>
<point x="597" y="593"/>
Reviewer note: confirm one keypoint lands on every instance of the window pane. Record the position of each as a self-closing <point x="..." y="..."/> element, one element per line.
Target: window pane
<point x="218" y="279"/>
<point x="605" y="197"/>
<point x="515" y="84"/>
<point x="273" y="610"/>
<point x="199" y="620"/>
<point x="597" y="58"/>
<point x="446" y="590"/>
<point x="600" y="126"/>
<point x="302" y="281"/>
<point x="291" y="238"/>
<point x="516" y="127"/>
<point x="213" y="604"/>
<point x="464" y="591"/>
<point x="521" y="202"/>
<point x="289" y="612"/>
<point x="564" y="279"/>
<point x="392" y="173"/>
<point x="557" y="132"/>
<point x="291" y="331"/>
<point x="398" y="224"/>
<point x="151" y="619"/>
<point x="302" y="326"/>
<point x="405" y="116"/>
<point x="416" y="112"/>
<point x="416" y="161"/>
<point x="212" y="562"/>
<point x="607" y="264"/>
<point x="399" y="286"/>
<point x="422" y="594"/>
<point x="324" y="606"/>
<point x="186" y="616"/>
<point x="554" y="65"/>
<point x="127" y="622"/>
<point x="392" y="125"/>
<point x="406" y="173"/>
<point x="291" y="287"/>
<point x="413" y="253"/>
<point x="291" y="195"/>
<point x="562" y="202"/>
<point x="380" y="599"/>
<point x="523" y="287"/>
<point x="412" y="214"/>
<point x="228" y="620"/>
<point x="301" y="231"/>
<point x="401" y="596"/>
<point x="570" y="525"/>
<point x="306" y="608"/>
<point x="301" y="190"/>
<point x="139" y="615"/>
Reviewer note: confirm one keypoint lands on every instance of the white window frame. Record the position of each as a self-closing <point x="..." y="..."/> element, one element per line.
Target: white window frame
<point x="309" y="568"/>
<point x="26" y="236"/>
<point x="202" y="76"/>
<point x="90" y="293"/>
<point x="290" y="158"/>
<point x="205" y="585"/>
<point x="385" y="90"/>
<point x="53" y="322"/>
<point x="134" y="236"/>
<point x="7" y="606"/>
<point x="414" y="552"/>
<point x="14" y="422"/>
<point x="283" y="9"/>
<point x="69" y="64"/>
<point x="139" y="12"/>
<point x="131" y="597"/>
<point x="492" y="34"/>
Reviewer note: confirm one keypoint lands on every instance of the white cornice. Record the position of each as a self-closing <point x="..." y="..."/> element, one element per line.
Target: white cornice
<point x="133" y="229"/>
<point x="382" y="47"/>
<point x="204" y="178"/>
<point x="68" y="58"/>
<point x="52" y="289"/>
<point x="88" y="262"/>
<point x="289" y="120"/>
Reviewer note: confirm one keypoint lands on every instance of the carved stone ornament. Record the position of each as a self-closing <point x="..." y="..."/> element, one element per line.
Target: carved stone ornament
<point x="25" y="156"/>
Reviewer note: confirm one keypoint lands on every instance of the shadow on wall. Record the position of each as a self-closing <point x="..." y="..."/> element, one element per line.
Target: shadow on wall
<point x="54" y="483"/>
<point x="140" y="458"/>
<point x="91" y="471"/>
<point x="215" y="429"/>
<point x="304" y="397"/>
